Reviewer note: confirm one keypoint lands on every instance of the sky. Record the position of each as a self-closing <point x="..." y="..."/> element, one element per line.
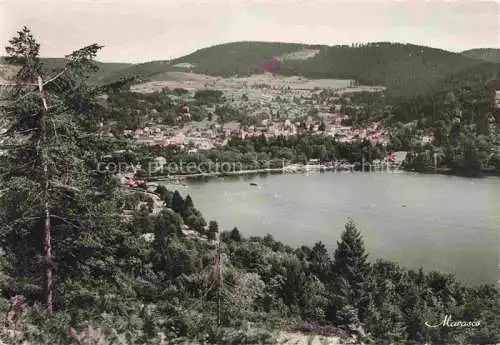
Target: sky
<point x="146" y="30"/>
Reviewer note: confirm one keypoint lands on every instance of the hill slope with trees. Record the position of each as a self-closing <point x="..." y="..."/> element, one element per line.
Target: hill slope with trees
<point x="50" y="64"/>
<point x="405" y="69"/>
<point x="486" y="54"/>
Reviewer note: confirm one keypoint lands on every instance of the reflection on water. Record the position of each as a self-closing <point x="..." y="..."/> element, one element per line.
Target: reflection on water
<point x="438" y="222"/>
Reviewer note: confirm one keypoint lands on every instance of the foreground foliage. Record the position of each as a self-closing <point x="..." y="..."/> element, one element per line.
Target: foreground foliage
<point x="110" y="281"/>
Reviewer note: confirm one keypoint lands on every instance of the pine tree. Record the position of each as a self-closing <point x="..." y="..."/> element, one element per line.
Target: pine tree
<point x="320" y="262"/>
<point x="350" y="257"/>
<point x="178" y="203"/>
<point x="188" y="205"/>
<point x="213" y="229"/>
<point x="350" y="272"/>
<point x="51" y="191"/>
<point x="235" y="235"/>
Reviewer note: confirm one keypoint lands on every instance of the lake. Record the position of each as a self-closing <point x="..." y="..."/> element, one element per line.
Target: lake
<point x="445" y="223"/>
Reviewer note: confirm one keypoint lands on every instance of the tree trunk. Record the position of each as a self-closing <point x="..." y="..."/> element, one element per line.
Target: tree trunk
<point x="47" y="242"/>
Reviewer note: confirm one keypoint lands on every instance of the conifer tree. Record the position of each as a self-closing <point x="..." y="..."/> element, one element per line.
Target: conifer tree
<point x="320" y="262"/>
<point x="178" y="203"/>
<point x="350" y="273"/>
<point x="188" y="205"/>
<point x="235" y="235"/>
<point x="213" y="229"/>
<point x="51" y="192"/>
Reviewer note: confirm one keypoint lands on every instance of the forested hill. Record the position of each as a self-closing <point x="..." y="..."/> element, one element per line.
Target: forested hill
<point x="486" y="54"/>
<point x="405" y="69"/>
<point x="105" y="68"/>
<point x="473" y="87"/>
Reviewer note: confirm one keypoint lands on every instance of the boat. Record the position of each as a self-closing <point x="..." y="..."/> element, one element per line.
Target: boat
<point x="253" y="184"/>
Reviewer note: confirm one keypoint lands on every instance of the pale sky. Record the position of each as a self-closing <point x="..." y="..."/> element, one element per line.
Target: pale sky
<point x="145" y="30"/>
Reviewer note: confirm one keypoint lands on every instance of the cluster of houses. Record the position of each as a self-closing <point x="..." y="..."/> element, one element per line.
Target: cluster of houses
<point x="280" y="107"/>
<point x="160" y="135"/>
<point x="347" y="134"/>
<point x="202" y="138"/>
<point x="217" y="135"/>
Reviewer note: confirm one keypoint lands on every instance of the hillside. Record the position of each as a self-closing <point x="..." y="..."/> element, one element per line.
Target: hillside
<point x="404" y="69"/>
<point x="474" y="85"/>
<point x="225" y="60"/>
<point x="144" y="71"/>
<point x="105" y="68"/>
<point x="486" y="54"/>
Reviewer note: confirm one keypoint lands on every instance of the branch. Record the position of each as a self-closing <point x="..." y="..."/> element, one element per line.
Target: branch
<point x="17" y="84"/>
<point x="18" y="132"/>
<point x="13" y="146"/>
<point x="23" y="97"/>
<point x="5" y="85"/>
<point x="66" y="221"/>
<point x="63" y="186"/>
<point x="56" y="76"/>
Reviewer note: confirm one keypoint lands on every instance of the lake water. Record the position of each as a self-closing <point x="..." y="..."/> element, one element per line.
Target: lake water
<point x="451" y="224"/>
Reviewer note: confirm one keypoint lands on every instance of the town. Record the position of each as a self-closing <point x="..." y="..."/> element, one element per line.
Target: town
<point x="276" y="106"/>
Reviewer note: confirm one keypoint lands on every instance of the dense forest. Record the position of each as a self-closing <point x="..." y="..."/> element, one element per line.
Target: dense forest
<point x="460" y="112"/>
<point x="258" y="153"/>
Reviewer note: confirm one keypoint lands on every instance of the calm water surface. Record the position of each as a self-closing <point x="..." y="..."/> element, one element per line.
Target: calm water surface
<point x="450" y="224"/>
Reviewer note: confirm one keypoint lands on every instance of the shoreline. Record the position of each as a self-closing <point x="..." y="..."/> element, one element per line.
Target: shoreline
<point x="306" y="168"/>
<point x="183" y="177"/>
<point x="285" y="170"/>
<point x="277" y="171"/>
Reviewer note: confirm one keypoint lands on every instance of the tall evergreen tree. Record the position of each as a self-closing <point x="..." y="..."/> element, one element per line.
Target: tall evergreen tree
<point x="350" y="270"/>
<point x="320" y="262"/>
<point x="178" y="203"/>
<point x="50" y="193"/>
<point x="188" y="205"/>
<point x="235" y="235"/>
<point x="213" y="229"/>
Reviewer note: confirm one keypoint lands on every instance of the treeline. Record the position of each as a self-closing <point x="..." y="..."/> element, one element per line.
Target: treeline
<point x="468" y="94"/>
<point x="258" y="153"/>
<point x="460" y="151"/>
<point x="486" y="54"/>
<point x="460" y="114"/>
<point x="132" y="110"/>
<point x="301" y="148"/>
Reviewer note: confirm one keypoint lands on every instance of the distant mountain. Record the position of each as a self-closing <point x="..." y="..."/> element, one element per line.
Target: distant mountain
<point x="105" y="68"/>
<point x="405" y="69"/>
<point x="486" y="54"/>
<point x="225" y="60"/>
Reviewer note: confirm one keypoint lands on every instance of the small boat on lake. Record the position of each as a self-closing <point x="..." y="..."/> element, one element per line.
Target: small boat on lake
<point x="253" y="184"/>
